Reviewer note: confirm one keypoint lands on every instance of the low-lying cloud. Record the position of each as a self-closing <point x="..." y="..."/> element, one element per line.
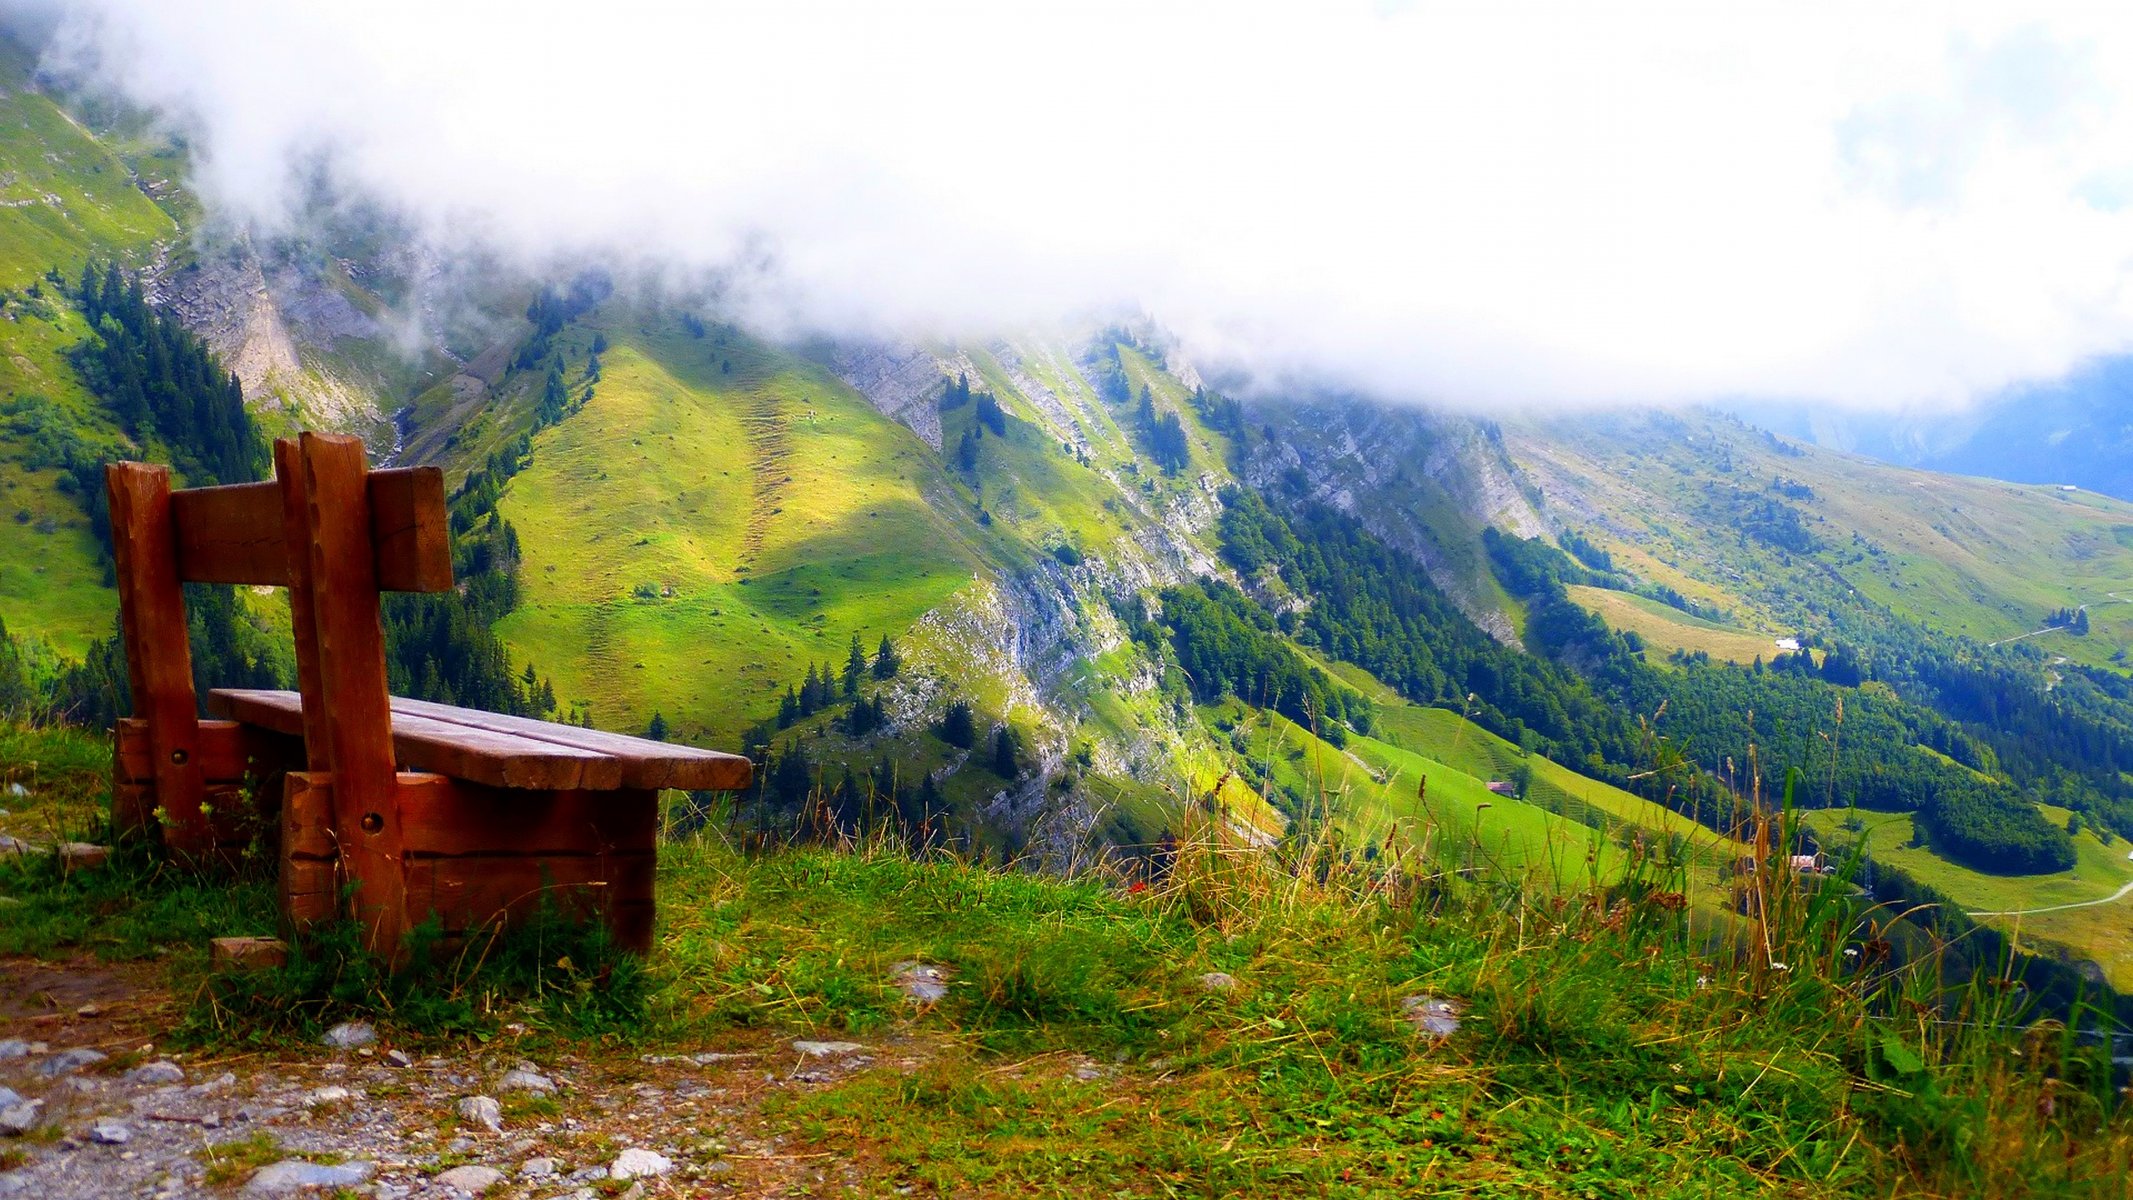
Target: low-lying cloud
<point x="1503" y="204"/>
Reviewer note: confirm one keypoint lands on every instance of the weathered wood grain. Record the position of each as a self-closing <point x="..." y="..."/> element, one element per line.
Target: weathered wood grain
<point x="158" y="659"/>
<point x="462" y="751"/>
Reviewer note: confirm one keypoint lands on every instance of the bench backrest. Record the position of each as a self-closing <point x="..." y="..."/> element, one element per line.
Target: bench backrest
<point x="327" y="528"/>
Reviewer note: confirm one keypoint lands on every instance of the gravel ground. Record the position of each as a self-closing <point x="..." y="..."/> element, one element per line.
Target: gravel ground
<point x="104" y="1113"/>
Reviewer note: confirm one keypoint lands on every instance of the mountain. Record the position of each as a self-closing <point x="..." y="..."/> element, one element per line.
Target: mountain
<point x="1047" y="593"/>
<point x="2074" y="431"/>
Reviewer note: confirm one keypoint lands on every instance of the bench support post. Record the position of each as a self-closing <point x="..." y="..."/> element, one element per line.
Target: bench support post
<point x="159" y="662"/>
<point x="335" y="576"/>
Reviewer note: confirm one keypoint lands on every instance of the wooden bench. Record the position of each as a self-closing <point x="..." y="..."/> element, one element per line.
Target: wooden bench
<point x="411" y="809"/>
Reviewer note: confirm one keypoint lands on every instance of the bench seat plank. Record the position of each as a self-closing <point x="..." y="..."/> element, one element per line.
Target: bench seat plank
<point x="645" y="763"/>
<point x="505" y="751"/>
<point x="460" y="751"/>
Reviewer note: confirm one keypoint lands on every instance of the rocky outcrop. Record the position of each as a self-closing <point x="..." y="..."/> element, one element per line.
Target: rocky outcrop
<point x="901" y="380"/>
<point x="277" y="322"/>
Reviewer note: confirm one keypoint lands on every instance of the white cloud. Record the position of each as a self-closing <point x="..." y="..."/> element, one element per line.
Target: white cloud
<point x="1498" y="204"/>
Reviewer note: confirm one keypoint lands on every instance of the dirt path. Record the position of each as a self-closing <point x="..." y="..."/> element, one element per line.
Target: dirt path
<point x="2114" y="598"/>
<point x="2114" y="897"/>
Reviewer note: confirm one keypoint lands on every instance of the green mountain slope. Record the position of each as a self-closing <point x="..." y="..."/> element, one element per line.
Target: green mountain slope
<point x="1665" y="495"/>
<point x="64" y="196"/>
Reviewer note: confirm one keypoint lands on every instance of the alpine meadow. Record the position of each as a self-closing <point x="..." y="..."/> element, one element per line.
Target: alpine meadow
<point x="1339" y="600"/>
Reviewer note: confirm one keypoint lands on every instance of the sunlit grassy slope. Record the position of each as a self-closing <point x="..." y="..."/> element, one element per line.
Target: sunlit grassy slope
<point x="718" y="517"/>
<point x="2102" y="931"/>
<point x="1971" y="556"/>
<point x="63" y="197"/>
<point x="1666" y="629"/>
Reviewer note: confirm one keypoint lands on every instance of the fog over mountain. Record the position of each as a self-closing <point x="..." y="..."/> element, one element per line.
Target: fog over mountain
<point x="1510" y="204"/>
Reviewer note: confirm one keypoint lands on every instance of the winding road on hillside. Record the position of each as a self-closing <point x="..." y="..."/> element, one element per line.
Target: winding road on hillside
<point x="2115" y="598"/>
<point x="2120" y="894"/>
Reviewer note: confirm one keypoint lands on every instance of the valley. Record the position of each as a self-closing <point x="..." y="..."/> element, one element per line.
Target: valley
<point x="1559" y="655"/>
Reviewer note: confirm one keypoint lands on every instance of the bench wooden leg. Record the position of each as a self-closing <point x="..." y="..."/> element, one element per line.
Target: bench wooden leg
<point x="310" y="875"/>
<point x="227" y="822"/>
<point x="478" y="858"/>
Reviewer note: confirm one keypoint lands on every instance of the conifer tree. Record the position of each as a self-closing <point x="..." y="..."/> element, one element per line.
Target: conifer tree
<point x="1005" y="761"/>
<point x="855" y="668"/>
<point x="657" y="730"/>
<point x="886" y="660"/>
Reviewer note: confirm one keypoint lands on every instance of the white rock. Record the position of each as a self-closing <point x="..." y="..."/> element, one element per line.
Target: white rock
<point x="159" y="1072"/>
<point x="14" y="1048"/>
<point x="66" y="1062"/>
<point x="1217" y="981"/>
<point x="349" y="1034"/>
<point x="525" y="1081"/>
<point x="18" y="1119"/>
<point x="537" y="1168"/>
<point x="483" y="1111"/>
<point x="330" y="1094"/>
<point x="294" y="1175"/>
<point x="110" y="1133"/>
<point x="634" y="1163"/>
<point x="473" y="1180"/>
<point x="827" y="1049"/>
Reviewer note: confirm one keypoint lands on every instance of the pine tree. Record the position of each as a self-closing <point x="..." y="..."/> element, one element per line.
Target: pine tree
<point x="1005" y="761"/>
<point x="886" y="661"/>
<point x="958" y="727"/>
<point x="855" y="668"/>
<point x="788" y="709"/>
<point x="657" y="730"/>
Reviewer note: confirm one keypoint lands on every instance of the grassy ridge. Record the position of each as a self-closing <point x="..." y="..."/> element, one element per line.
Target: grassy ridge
<point x="714" y="520"/>
<point x="1666" y="629"/>
<point x="64" y="196"/>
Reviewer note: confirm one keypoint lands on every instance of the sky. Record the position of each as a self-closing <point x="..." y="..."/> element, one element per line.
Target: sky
<point x="1491" y="206"/>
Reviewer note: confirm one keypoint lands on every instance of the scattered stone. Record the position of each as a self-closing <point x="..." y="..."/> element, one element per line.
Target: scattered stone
<point x="483" y="1111"/>
<point x="83" y="856"/>
<point x="922" y="983"/>
<point x="522" y="1080"/>
<point x="18" y="1119"/>
<point x="14" y="1048"/>
<point x="15" y="845"/>
<point x="473" y="1180"/>
<point x="247" y="953"/>
<point x="1218" y="981"/>
<point x="634" y="1163"/>
<point x="9" y="1097"/>
<point x="157" y="1073"/>
<point x="537" y="1168"/>
<point x="295" y="1175"/>
<point x="826" y="1049"/>
<point x="398" y="1058"/>
<point x="349" y="1034"/>
<point x="17" y="790"/>
<point x="110" y="1133"/>
<point x="321" y="1097"/>
<point x="91" y="1009"/>
<point x="1089" y="1072"/>
<point x="66" y="1062"/>
<point x="214" y="1085"/>
<point x="1434" y="1017"/>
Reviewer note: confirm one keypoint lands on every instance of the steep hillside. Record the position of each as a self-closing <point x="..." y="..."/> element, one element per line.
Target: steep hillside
<point x="64" y="196"/>
<point x="1780" y="537"/>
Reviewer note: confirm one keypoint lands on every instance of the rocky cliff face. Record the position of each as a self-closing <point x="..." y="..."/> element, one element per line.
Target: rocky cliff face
<point x="1425" y="482"/>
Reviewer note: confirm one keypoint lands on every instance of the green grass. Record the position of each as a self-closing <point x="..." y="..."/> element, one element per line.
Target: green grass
<point x="64" y="196"/>
<point x="1666" y="629"/>
<point x="2101" y="932"/>
<point x="1603" y="1050"/>
<point x="773" y="512"/>
<point x="1977" y="557"/>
